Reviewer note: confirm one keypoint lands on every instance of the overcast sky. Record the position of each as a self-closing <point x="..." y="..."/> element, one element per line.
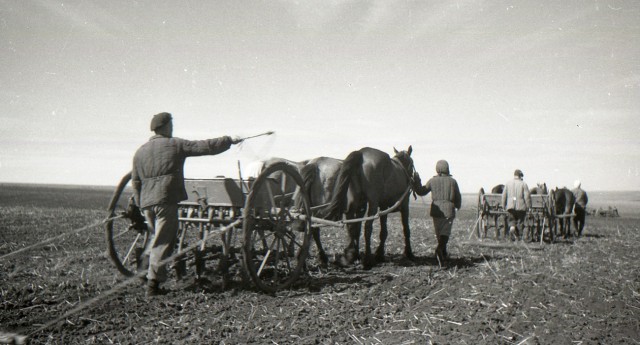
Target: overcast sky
<point x="549" y="87"/>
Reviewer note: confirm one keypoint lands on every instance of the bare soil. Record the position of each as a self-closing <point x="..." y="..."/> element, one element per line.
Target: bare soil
<point x="580" y="291"/>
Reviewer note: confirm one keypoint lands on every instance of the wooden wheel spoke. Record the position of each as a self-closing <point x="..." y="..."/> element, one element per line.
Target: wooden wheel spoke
<point x="283" y="184"/>
<point x="273" y="244"/>
<point x="133" y="246"/>
<point x="262" y="237"/>
<point x="293" y="239"/>
<point x="275" y="263"/>
<point x="272" y="200"/>
<point x="122" y="233"/>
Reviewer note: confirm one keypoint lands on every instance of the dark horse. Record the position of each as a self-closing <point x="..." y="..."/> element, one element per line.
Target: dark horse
<point x="498" y="189"/>
<point x="371" y="180"/>
<point x="564" y="202"/>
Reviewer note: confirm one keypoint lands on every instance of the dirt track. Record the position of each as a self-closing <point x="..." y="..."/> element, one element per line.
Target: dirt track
<point x="580" y="291"/>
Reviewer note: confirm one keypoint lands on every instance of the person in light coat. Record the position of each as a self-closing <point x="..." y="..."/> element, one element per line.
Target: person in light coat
<point x="516" y="199"/>
<point x="580" y="207"/>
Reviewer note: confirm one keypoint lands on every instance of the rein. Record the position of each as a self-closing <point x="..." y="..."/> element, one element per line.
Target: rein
<point x="408" y="172"/>
<point x="410" y="175"/>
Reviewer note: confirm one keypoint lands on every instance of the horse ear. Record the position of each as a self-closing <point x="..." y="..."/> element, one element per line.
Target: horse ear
<point x="410" y="150"/>
<point x="394" y="150"/>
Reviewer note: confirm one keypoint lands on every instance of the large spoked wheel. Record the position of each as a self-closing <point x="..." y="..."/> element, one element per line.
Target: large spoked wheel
<point x="276" y="244"/>
<point x="126" y="232"/>
<point x="480" y="221"/>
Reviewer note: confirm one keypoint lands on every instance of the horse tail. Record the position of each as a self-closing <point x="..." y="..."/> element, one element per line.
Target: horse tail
<point x="571" y="201"/>
<point x="351" y="165"/>
<point x="309" y="173"/>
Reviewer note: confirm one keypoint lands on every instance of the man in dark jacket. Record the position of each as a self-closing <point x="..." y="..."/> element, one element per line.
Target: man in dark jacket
<point x="158" y="182"/>
<point x="580" y="207"/>
<point x="446" y="198"/>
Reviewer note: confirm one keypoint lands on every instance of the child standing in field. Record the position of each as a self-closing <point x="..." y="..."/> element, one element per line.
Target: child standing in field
<point x="446" y="198"/>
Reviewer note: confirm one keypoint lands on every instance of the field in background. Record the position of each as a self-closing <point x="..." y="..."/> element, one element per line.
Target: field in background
<point x="582" y="291"/>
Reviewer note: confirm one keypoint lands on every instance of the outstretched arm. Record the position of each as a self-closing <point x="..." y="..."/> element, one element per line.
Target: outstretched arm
<point x="191" y="148"/>
<point x="417" y="186"/>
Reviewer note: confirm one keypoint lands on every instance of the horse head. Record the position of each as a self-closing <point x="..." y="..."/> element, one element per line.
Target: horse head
<point x="497" y="189"/>
<point x="542" y="187"/>
<point x="404" y="157"/>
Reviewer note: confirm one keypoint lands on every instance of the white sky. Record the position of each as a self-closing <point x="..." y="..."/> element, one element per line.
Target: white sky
<point x="549" y="87"/>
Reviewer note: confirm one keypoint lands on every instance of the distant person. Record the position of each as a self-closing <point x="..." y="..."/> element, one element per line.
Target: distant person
<point x="158" y="181"/>
<point x="446" y="198"/>
<point x="580" y="207"/>
<point x="516" y="199"/>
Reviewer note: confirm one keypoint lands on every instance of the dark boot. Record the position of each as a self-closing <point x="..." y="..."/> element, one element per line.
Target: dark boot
<point x="154" y="289"/>
<point x="439" y="250"/>
<point x="444" y="240"/>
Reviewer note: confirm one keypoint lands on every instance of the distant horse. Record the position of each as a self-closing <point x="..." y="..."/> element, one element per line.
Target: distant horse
<point x="255" y="168"/>
<point x="319" y="175"/>
<point x="540" y="189"/>
<point x="498" y="189"/>
<point x="536" y="219"/>
<point x="564" y="202"/>
<point x="370" y="180"/>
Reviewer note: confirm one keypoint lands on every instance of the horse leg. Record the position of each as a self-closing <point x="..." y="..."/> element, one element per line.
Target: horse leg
<point x="322" y="256"/>
<point x="383" y="238"/>
<point x="408" y="252"/>
<point x="352" y="252"/>
<point x="367" y="262"/>
<point x="530" y="226"/>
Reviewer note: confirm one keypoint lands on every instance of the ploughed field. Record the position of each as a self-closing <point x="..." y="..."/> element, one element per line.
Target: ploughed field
<point x="582" y="291"/>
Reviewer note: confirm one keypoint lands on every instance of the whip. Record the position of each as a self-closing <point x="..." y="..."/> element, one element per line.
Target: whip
<point x="258" y="135"/>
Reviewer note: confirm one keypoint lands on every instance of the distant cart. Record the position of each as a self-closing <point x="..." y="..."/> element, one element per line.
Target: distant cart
<point x="540" y="219"/>
<point x="608" y="212"/>
<point x="490" y="210"/>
